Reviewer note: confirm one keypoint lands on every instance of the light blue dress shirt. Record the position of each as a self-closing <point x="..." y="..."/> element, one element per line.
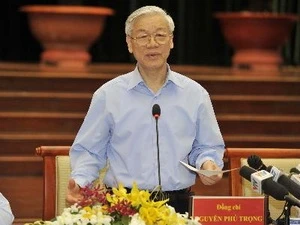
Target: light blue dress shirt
<point x="120" y="130"/>
<point x="6" y="215"/>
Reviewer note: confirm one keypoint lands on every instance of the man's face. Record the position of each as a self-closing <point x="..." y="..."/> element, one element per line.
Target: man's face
<point x="150" y="41"/>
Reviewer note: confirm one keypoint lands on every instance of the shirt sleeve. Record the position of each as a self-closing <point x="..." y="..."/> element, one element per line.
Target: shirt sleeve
<point x="6" y="215"/>
<point x="209" y="143"/>
<point x="88" y="152"/>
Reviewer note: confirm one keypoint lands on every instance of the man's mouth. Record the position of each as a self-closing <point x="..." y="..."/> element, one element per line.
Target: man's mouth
<point x="152" y="54"/>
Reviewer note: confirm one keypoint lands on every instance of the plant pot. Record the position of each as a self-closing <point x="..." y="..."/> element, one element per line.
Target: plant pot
<point x="66" y="32"/>
<point x="256" y="38"/>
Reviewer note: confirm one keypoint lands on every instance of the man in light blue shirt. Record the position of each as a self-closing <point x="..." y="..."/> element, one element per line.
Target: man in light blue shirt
<point x="6" y="216"/>
<point x="121" y="131"/>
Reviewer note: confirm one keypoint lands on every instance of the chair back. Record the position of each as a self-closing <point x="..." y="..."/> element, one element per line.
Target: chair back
<point x="56" y="165"/>
<point x="63" y="171"/>
<point x="283" y="159"/>
<point x="56" y="168"/>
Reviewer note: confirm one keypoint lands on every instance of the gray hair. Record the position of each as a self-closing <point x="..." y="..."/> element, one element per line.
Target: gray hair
<point x="146" y="10"/>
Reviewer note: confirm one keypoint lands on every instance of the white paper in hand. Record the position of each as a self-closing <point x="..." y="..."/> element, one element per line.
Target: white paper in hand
<point x="207" y="173"/>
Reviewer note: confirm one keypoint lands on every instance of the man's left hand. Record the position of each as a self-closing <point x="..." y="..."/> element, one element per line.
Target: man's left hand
<point x="210" y="165"/>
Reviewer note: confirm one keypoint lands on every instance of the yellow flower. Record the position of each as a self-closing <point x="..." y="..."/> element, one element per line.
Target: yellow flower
<point x="88" y="212"/>
<point x="120" y="191"/>
<point x="137" y="203"/>
<point x="149" y="215"/>
<point x="155" y="212"/>
<point x="118" y="195"/>
<point x="137" y="197"/>
<point x="104" y="208"/>
<point x="87" y="209"/>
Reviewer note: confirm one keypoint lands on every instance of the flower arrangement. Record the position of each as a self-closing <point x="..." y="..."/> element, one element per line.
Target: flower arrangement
<point x="99" y="207"/>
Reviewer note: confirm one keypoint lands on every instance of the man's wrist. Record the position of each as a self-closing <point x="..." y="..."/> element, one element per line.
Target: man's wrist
<point x="207" y="161"/>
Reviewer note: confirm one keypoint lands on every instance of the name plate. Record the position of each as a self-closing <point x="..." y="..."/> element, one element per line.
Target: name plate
<point x="229" y="210"/>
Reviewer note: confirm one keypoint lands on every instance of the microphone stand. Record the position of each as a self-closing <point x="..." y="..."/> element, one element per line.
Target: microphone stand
<point x="159" y="195"/>
<point x="287" y="213"/>
<point x="290" y="201"/>
<point x="269" y="218"/>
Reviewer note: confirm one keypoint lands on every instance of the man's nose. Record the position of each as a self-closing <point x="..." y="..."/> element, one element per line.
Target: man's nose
<point x="152" y="40"/>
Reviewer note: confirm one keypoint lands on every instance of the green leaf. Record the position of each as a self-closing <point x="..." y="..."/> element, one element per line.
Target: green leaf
<point x="124" y="220"/>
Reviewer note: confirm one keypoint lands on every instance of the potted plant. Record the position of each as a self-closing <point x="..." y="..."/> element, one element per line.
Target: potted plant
<point x="256" y="36"/>
<point x="66" y="32"/>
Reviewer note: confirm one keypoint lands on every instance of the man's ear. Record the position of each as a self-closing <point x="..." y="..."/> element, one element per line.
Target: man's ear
<point x="129" y="43"/>
<point x="171" y="43"/>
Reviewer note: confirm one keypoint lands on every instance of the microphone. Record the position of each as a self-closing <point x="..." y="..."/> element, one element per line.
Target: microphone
<point x="295" y="170"/>
<point x="292" y="200"/>
<point x="273" y="189"/>
<point x="295" y="174"/>
<point x="156" y="111"/>
<point x="262" y="182"/>
<point x="156" y="114"/>
<point x="296" y="178"/>
<point x="281" y="178"/>
<point x="255" y="162"/>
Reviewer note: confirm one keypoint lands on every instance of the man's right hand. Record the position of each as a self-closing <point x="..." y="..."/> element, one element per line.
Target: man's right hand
<point x="73" y="192"/>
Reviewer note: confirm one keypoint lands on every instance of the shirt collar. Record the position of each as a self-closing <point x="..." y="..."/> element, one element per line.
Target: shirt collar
<point x="173" y="77"/>
<point x="136" y="78"/>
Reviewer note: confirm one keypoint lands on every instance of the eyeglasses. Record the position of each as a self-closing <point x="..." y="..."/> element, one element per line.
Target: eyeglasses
<point x="160" y="39"/>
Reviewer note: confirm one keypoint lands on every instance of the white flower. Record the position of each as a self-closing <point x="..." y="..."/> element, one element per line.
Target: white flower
<point x="99" y="212"/>
<point x="137" y="220"/>
<point x="193" y="221"/>
<point x="103" y="219"/>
